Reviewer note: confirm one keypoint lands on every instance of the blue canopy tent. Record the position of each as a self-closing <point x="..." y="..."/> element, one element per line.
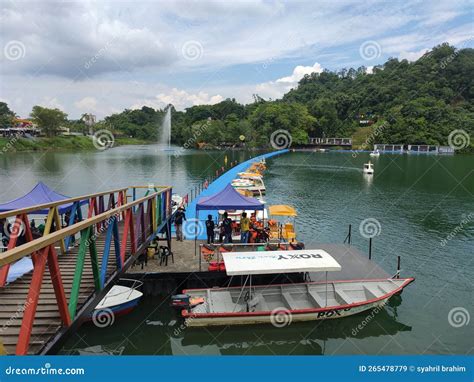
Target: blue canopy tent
<point x="40" y="194"/>
<point x="227" y="199"/>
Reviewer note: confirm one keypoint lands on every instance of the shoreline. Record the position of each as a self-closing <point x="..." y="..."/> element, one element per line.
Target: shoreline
<point x="58" y="144"/>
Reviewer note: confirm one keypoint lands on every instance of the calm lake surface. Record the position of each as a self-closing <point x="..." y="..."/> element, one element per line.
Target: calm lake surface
<point x="419" y="201"/>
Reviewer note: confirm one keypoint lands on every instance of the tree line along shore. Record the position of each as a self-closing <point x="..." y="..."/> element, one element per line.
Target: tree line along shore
<point x="399" y="102"/>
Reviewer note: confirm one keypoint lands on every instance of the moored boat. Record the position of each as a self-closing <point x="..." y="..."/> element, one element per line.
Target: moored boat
<point x="375" y="153"/>
<point x="306" y="301"/>
<point x="119" y="300"/>
<point x="253" y="184"/>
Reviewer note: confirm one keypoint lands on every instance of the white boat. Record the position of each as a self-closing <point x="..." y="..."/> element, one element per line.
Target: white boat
<point x="176" y="202"/>
<point x="250" y="182"/>
<point x="119" y="300"/>
<point x="306" y="301"/>
<point x="375" y="153"/>
<point x="368" y="168"/>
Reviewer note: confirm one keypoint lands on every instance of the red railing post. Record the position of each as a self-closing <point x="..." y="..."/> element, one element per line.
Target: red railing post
<point x="32" y="302"/>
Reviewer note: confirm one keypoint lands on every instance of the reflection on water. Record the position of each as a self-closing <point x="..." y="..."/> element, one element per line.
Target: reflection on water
<point x="163" y="332"/>
<point x="419" y="201"/>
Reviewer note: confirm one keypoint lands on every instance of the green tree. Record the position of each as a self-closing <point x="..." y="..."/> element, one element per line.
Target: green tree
<point x="6" y="116"/>
<point x="48" y="120"/>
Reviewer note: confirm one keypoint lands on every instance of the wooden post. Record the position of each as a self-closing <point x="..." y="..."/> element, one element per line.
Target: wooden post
<point x="31" y="303"/>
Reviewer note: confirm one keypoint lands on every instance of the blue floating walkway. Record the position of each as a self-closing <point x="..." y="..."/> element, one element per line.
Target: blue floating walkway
<point x="216" y="186"/>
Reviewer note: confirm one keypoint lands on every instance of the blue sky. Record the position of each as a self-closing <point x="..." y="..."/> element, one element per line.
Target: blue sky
<point x="102" y="57"/>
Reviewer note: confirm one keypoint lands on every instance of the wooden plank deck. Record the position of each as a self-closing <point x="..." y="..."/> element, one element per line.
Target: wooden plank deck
<point x="354" y="263"/>
<point x="47" y="320"/>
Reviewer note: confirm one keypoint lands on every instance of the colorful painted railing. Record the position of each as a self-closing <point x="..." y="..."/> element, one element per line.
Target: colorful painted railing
<point x="21" y="225"/>
<point x="152" y="212"/>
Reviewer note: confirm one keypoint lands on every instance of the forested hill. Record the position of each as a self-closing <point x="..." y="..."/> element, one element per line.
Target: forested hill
<point x="421" y="102"/>
<point x="415" y="102"/>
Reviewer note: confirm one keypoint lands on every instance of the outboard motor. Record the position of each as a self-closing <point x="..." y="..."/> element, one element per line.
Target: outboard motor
<point x="180" y="301"/>
<point x="298" y="245"/>
<point x="185" y="301"/>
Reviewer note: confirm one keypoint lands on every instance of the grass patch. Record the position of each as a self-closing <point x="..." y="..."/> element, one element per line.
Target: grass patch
<point x="60" y="143"/>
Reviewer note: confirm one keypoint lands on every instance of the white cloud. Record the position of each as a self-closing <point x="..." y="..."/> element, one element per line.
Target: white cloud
<point x="180" y="99"/>
<point x="132" y="55"/>
<point x="276" y="89"/>
<point x="51" y="102"/>
<point x="299" y="72"/>
<point x="86" y="104"/>
<point x="412" y="56"/>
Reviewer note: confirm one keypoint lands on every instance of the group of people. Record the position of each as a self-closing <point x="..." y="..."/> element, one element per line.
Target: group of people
<point x="226" y="227"/>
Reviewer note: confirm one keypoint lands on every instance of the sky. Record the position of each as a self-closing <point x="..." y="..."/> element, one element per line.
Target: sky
<point x="102" y="57"/>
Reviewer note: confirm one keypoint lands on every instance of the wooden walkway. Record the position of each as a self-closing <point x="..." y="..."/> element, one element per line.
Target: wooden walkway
<point x="47" y="323"/>
<point x="354" y="263"/>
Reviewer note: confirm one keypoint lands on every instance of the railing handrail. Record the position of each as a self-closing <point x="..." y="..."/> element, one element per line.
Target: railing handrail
<point x="23" y="250"/>
<point x="7" y="214"/>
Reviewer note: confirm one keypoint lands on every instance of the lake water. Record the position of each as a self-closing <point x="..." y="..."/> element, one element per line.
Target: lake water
<point x="423" y="206"/>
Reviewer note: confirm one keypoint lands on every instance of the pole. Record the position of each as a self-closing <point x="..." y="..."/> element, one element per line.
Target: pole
<point x="350" y="233"/>
<point x="195" y="234"/>
<point x="370" y="249"/>
<point x="326" y="289"/>
<point x="398" y="267"/>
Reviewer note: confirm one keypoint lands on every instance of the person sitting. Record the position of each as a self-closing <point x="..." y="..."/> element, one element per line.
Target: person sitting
<point x="210" y="229"/>
<point x="34" y="230"/>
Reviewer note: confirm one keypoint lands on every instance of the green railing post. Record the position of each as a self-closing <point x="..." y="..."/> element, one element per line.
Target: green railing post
<point x="76" y="283"/>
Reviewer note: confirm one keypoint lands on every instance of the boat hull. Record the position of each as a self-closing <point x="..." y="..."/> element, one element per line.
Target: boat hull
<point x="295" y="302"/>
<point x="283" y="315"/>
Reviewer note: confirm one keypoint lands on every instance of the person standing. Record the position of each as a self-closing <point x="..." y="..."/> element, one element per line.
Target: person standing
<point x="227" y="225"/>
<point x="244" y="228"/>
<point x="178" y="223"/>
<point x="210" y="229"/>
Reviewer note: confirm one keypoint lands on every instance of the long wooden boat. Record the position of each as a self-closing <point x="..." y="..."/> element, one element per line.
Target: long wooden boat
<point x="305" y="301"/>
